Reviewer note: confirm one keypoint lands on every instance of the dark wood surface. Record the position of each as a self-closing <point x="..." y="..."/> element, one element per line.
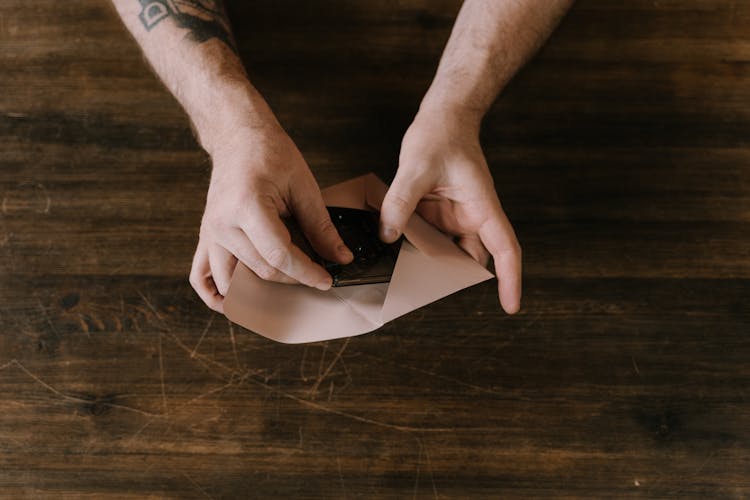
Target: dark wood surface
<point x="621" y="155"/>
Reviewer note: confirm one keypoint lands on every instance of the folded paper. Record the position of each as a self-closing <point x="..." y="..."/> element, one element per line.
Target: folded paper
<point x="429" y="267"/>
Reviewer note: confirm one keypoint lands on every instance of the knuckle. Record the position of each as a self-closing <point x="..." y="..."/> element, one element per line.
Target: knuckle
<point x="513" y="251"/>
<point x="278" y="257"/>
<point x="399" y="202"/>
<point x="263" y="272"/>
<point x="326" y="226"/>
<point x="194" y="279"/>
<point x="214" y="221"/>
<point x="514" y="247"/>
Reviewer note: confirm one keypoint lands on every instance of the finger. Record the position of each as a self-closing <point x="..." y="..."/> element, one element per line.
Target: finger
<point x="498" y="236"/>
<point x="222" y="266"/>
<point x="202" y="281"/>
<point x="439" y="212"/>
<point x="399" y="203"/>
<point x="474" y="247"/>
<point x="312" y="216"/>
<point x="271" y="238"/>
<point x="237" y="243"/>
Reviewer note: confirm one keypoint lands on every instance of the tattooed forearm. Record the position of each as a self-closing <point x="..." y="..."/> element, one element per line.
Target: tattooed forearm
<point x="205" y="19"/>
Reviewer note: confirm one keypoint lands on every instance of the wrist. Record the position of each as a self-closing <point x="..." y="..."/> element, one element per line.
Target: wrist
<point x="435" y="110"/>
<point x="439" y="104"/>
<point x="230" y="108"/>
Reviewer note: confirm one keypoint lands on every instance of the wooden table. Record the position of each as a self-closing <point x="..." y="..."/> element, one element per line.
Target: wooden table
<point x="622" y="155"/>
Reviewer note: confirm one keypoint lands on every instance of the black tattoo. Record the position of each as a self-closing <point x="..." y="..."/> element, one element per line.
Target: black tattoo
<point x="205" y="19"/>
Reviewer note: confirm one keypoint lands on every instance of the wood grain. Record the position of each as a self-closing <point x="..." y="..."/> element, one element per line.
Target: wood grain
<point x="621" y="154"/>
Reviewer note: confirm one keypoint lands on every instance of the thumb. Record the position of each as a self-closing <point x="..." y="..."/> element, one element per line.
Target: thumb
<point x="400" y="202"/>
<point x="315" y="222"/>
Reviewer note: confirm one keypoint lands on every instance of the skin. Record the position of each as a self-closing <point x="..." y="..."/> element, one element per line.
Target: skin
<point x="259" y="175"/>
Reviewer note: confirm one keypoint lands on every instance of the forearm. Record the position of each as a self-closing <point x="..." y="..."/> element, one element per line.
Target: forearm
<point x="489" y="43"/>
<point x="191" y="48"/>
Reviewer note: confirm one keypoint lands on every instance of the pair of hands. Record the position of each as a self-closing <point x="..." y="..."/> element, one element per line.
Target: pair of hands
<point x="259" y="176"/>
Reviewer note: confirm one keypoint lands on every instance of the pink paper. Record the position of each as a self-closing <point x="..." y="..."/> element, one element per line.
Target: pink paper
<point x="429" y="267"/>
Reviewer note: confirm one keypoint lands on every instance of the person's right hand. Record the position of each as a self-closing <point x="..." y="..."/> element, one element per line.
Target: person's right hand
<point x="259" y="176"/>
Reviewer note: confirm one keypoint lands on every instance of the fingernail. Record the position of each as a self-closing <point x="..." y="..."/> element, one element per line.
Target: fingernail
<point x="324" y="285"/>
<point x="389" y="234"/>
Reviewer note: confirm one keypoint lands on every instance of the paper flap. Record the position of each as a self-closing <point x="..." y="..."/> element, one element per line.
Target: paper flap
<point x="420" y="279"/>
<point x="348" y="194"/>
<point x="365" y="300"/>
<point x="375" y="190"/>
<point x="429" y="239"/>
<point x="291" y="314"/>
<point x="429" y="266"/>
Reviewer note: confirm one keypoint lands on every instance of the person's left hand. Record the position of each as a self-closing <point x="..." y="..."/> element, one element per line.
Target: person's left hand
<point x="443" y="174"/>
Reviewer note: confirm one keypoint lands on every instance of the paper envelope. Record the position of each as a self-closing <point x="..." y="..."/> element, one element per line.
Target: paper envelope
<point x="429" y="267"/>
